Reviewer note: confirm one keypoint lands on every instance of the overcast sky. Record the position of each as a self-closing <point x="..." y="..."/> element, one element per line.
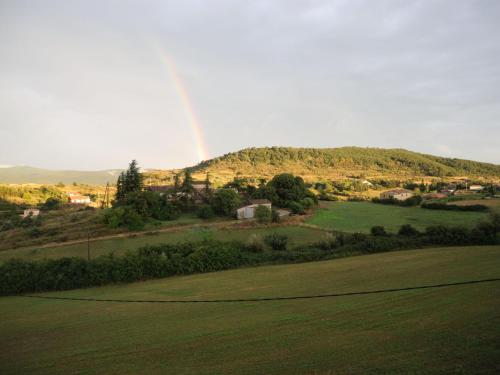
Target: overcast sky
<point x="83" y="84"/>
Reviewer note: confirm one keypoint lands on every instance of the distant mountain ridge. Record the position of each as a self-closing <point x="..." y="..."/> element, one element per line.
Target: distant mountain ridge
<point x="331" y="163"/>
<point x="32" y="175"/>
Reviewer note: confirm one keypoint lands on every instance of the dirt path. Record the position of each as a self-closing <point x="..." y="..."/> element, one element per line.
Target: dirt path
<point x="175" y="228"/>
<point x="250" y="224"/>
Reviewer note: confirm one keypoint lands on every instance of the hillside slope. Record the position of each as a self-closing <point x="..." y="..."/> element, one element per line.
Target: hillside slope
<point x="26" y="175"/>
<point x="320" y="163"/>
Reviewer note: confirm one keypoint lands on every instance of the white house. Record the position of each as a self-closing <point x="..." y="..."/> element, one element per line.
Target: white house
<point x="33" y="212"/>
<point x="476" y="187"/>
<point x="79" y="199"/>
<point x="248" y="211"/>
<point x="397" y="194"/>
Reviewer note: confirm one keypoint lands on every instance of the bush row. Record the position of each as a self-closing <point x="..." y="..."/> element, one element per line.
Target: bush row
<point x="453" y="207"/>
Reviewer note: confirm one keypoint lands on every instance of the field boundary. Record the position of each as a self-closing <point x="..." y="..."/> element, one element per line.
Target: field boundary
<point x="268" y="299"/>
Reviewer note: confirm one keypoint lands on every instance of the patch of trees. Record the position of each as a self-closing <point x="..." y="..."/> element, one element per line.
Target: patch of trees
<point x="412" y="201"/>
<point x="133" y="206"/>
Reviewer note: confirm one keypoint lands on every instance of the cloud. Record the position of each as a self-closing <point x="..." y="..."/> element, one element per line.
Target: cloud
<point x="81" y="87"/>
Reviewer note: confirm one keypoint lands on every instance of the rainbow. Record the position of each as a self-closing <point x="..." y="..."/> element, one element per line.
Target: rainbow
<point x="187" y="104"/>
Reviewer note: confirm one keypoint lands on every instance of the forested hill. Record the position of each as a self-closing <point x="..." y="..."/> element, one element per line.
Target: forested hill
<point x="321" y="163"/>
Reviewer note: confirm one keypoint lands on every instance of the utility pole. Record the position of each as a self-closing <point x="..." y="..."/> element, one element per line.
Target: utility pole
<point x="88" y="244"/>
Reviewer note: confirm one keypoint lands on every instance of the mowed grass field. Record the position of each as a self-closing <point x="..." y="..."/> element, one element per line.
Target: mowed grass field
<point x="297" y="235"/>
<point x="361" y="216"/>
<point x="428" y="331"/>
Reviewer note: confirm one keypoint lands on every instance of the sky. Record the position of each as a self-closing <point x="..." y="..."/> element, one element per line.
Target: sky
<point x="94" y="84"/>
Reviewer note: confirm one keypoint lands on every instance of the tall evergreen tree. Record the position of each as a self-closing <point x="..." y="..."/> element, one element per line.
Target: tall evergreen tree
<point x="187" y="184"/>
<point x="128" y="182"/>
<point x="187" y="189"/>
<point x="120" y="188"/>
<point x="134" y="179"/>
<point x="207" y="184"/>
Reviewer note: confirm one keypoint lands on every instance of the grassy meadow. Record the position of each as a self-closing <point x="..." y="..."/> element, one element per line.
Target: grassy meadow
<point x="361" y="216"/>
<point x="297" y="235"/>
<point x="433" y="331"/>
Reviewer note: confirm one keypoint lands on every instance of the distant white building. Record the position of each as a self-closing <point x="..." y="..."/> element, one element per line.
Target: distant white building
<point x="476" y="187"/>
<point x="79" y="199"/>
<point x="248" y="211"/>
<point x="33" y="212"/>
<point x="397" y="194"/>
<point x="367" y="183"/>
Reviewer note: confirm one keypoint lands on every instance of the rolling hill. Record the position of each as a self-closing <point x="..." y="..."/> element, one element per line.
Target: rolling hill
<point x="312" y="164"/>
<point x="333" y="163"/>
<point x="26" y="175"/>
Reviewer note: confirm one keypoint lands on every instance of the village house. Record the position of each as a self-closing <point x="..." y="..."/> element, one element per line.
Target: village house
<point x="397" y="194"/>
<point x="248" y="211"/>
<point x="476" y="188"/>
<point x="78" y="199"/>
<point x="33" y="212"/>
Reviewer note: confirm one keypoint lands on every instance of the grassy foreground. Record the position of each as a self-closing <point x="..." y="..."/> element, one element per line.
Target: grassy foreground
<point x="361" y="216"/>
<point x="444" y="330"/>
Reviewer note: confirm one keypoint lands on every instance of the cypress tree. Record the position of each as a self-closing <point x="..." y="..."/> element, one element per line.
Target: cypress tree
<point x="120" y="193"/>
<point x="187" y="184"/>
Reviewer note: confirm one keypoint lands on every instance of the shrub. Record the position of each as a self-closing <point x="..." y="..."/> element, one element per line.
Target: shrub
<point x="296" y="208"/>
<point x="412" y="201"/>
<point x="263" y="214"/>
<point x="307" y="203"/>
<point x="254" y="244"/>
<point x="205" y="212"/>
<point x="276" y="241"/>
<point x="378" y="230"/>
<point x="408" y="230"/>
<point x="52" y="203"/>
<point x="123" y="217"/>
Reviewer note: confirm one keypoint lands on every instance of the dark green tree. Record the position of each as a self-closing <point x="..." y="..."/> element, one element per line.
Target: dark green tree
<point x="287" y="188"/>
<point x="133" y="180"/>
<point x="225" y="202"/>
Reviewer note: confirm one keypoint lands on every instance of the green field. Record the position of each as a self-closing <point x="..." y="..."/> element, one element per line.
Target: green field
<point x="361" y="216"/>
<point x="432" y="331"/>
<point x="297" y="235"/>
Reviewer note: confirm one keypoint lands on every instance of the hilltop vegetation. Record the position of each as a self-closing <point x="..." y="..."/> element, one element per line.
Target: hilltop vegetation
<point x="332" y="163"/>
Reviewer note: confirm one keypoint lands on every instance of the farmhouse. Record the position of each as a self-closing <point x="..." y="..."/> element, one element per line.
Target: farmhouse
<point x="397" y="194"/>
<point x="78" y="199"/>
<point x="476" y="188"/>
<point x="248" y="211"/>
<point x="33" y="212"/>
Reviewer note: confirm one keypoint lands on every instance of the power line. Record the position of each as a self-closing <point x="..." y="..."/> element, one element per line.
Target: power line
<point x="267" y="299"/>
